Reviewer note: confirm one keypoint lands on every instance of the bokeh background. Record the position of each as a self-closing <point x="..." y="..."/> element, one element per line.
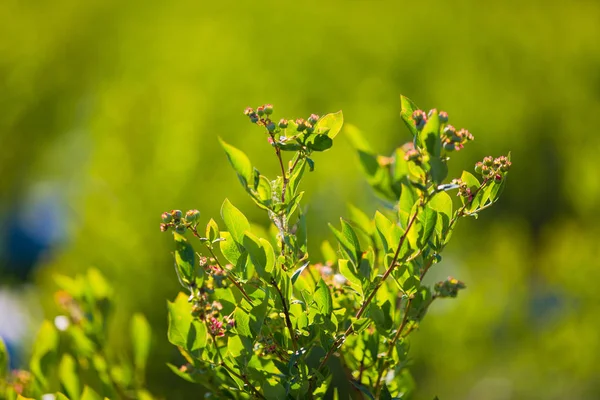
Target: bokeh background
<point x="110" y="112"/>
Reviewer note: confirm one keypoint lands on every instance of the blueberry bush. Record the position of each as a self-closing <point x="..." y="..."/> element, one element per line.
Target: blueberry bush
<point x="261" y="318"/>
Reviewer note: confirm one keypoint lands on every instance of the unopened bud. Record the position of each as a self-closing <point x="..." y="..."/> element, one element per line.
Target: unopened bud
<point x="301" y="124"/>
<point x="180" y="228"/>
<point x="176" y="214"/>
<point x="283" y="123"/>
<point x="488" y="161"/>
<point x="192" y="216"/>
<point x="271" y="126"/>
<point x="166" y="217"/>
<point x="443" y="116"/>
<point x="479" y="167"/>
<point x="310" y="128"/>
<point x="254" y="118"/>
<point x="248" y="111"/>
<point x="268" y="109"/>
<point x="498" y="178"/>
<point x="506" y="166"/>
<point x="313" y="118"/>
<point x="449" y="146"/>
<point x="450" y="132"/>
<point x="485" y="170"/>
<point x="412" y="155"/>
<point x="164" y="227"/>
<point x="260" y="111"/>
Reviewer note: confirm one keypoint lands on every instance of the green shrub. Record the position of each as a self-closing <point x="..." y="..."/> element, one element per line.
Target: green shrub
<point x="262" y="319"/>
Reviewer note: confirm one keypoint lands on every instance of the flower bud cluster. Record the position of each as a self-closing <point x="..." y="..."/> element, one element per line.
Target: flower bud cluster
<point x="463" y="189"/>
<point x="262" y="117"/>
<point x="449" y="287"/>
<point x="176" y="220"/>
<point x="491" y="168"/>
<point x="455" y="140"/>
<point x="451" y="138"/>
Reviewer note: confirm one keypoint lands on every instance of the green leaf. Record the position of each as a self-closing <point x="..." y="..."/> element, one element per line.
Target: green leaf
<point x="348" y="241"/>
<point x="240" y="163"/>
<point x="361" y="220"/>
<point x="430" y="136"/>
<point x="439" y="170"/>
<point x="141" y="336"/>
<point x="212" y="230"/>
<point x="427" y="219"/>
<point x="259" y="312"/>
<point x="322" y="298"/>
<point x="261" y="253"/>
<point x="408" y="198"/>
<point x="442" y="203"/>
<point x="389" y="233"/>
<point x="473" y="184"/>
<point x="235" y="221"/>
<point x="407" y="107"/>
<point x="44" y="353"/>
<point x="90" y="394"/>
<point x="185" y="259"/>
<point x="400" y="165"/>
<point x="298" y="272"/>
<point x="229" y="248"/>
<point x="242" y="322"/>
<point x="184" y="331"/>
<point x="319" y="142"/>
<point x="330" y="124"/>
<point x="67" y="374"/>
<point x="4" y="360"/>
<point x="350" y="273"/>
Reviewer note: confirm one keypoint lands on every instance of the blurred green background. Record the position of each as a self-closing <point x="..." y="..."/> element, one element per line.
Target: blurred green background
<point x="110" y="111"/>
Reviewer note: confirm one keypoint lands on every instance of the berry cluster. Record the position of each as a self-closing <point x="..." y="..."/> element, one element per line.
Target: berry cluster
<point x="176" y="220"/>
<point x="491" y="168"/>
<point x="451" y="138"/>
<point x="449" y="287"/>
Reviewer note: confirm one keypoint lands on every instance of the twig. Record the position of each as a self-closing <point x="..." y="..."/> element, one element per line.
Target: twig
<point x="231" y="279"/>
<point x="286" y="312"/>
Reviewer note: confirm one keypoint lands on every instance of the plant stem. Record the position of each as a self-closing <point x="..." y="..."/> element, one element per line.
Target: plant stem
<point x="213" y="255"/>
<point x="286" y="312"/>
<point x="337" y="343"/>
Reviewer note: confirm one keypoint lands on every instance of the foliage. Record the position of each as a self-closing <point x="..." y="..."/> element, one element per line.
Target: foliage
<point x="262" y="319"/>
<point x="71" y="357"/>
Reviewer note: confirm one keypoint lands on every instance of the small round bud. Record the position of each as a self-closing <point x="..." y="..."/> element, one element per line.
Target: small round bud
<point x="313" y="119"/>
<point x="488" y="161"/>
<point x="260" y="111"/>
<point x="449" y="146"/>
<point x="506" y="166"/>
<point x="498" y="178"/>
<point x="268" y="109"/>
<point x="310" y="128"/>
<point x="180" y="228"/>
<point x="248" y="111"/>
<point x="192" y="216"/>
<point x="176" y="214"/>
<point x="301" y="124"/>
<point x="271" y="126"/>
<point x="164" y="227"/>
<point x="166" y="217"/>
<point x="485" y="170"/>
<point x="443" y="116"/>
<point x="283" y="123"/>
<point x="253" y="118"/>
<point x="479" y="167"/>
<point x="450" y="132"/>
